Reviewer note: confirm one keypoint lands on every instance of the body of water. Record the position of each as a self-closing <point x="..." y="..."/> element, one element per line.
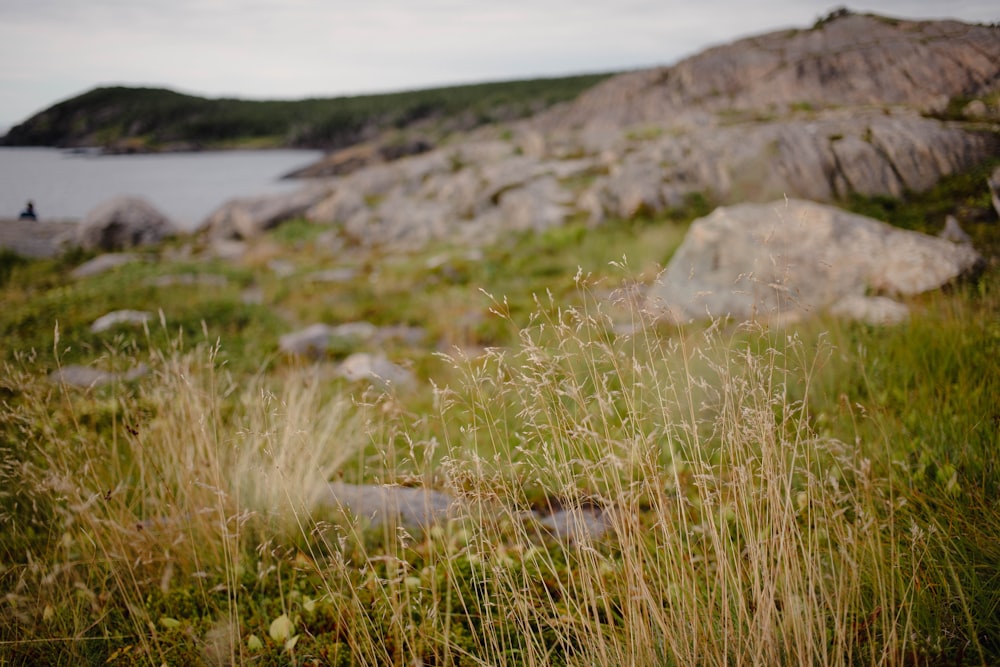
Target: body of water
<point x="186" y="187"/>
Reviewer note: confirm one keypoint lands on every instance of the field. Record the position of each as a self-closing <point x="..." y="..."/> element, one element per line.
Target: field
<point x="824" y="494"/>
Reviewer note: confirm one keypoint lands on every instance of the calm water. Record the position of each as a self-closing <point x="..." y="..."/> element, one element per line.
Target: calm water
<point x="186" y="187"/>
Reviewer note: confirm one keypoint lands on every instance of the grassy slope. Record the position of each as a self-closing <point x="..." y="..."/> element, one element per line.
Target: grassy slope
<point x="753" y="533"/>
<point x="148" y="118"/>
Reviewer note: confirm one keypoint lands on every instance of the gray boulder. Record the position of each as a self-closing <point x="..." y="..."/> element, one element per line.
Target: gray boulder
<point x="123" y="222"/>
<point x="789" y="259"/>
<point x="249" y="217"/>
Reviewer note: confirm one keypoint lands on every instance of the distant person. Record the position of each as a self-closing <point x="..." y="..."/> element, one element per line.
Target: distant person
<point x="29" y="212"/>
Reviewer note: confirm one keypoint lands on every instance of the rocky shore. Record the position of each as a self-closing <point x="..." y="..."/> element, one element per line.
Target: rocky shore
<point x="34" y="238"/>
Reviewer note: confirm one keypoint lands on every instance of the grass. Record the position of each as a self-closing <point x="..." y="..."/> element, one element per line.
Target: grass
<point x="819" y="495"/>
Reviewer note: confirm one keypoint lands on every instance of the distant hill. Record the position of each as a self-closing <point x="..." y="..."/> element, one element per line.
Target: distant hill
<point x="129" y="119"/>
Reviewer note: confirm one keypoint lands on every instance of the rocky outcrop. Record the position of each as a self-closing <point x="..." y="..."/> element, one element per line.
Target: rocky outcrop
<point x="785" y="260"/>
<point x="123" y="222"/>
<point x="353" y="158"/>
<point x="249" y="217"/>
<point x="848" y="60"/>
<point x="820" y="114"/>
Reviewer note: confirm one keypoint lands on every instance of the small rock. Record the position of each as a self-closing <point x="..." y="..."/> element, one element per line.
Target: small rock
<point x="204" y="279"/>
<point x="875" y="310"/>
<point x="952" y="232"/>
<point x="87" y="377"/>
<point x="341" y="275"/>
<point x="577" y="524"/>
<point x="310" y="342"/>
<point x="414" y="507"/>
<point x="377" y="369"/>
<point x="103" y="263"/>
<point x="117" y="317"/>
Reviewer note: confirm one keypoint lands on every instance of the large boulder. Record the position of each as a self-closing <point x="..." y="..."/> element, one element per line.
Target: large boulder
<point x="792" y="258"/>
<point x="123" y="222"/>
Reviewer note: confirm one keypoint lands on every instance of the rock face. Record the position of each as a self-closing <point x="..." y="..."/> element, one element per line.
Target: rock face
<point x="248" y="217"/>
<point x="784" y="260"/>
<point x="123" y="222"/>
<point x="846" y="60"/>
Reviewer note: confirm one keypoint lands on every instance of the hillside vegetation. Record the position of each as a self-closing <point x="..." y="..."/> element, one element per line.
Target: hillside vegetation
<point x="123" y="118"/>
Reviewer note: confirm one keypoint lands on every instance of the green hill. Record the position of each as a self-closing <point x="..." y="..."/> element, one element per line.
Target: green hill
<point x="141" y="119"/>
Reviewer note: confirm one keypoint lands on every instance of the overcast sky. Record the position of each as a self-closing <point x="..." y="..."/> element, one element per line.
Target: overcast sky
<point x="51" y="50"/>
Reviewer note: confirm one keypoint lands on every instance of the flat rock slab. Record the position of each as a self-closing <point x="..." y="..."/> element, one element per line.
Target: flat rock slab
<point x="417" y="507"/>
<point x="86" y="377"/>
<point x="36" y="239"/>
<point x="103" y="263"/>
<point x="117" y="317"/>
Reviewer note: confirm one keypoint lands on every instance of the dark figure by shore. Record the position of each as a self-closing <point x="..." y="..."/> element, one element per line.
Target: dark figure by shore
<point x="29" y="212"/>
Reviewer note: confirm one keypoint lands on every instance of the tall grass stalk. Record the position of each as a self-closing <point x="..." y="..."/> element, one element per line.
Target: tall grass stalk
<point x="736" y="535"/>
<point x="185" y="478"/>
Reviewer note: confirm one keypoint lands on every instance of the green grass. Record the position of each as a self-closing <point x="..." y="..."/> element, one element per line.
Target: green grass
<point x="824" y="494"/>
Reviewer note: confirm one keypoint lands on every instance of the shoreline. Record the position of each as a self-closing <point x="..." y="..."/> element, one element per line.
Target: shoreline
<point x="35" y="239"/>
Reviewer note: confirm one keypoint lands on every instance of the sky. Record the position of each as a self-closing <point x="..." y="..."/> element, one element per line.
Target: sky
<point x="52" y="50"/>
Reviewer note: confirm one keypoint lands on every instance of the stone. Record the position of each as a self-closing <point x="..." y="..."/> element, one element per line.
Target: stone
<point x="376" y="369"/>
<point x="249" y="217"/>
<point x="382" y="504"/>
<point x="994" y="184"/>
<point x="190" y="279"/>
<point x="579" y="524"/>
<point x="341" y="275"/>
<point x="785" y="260"/>
<point x="116" y="317"/>
<point x="316" y="339"/>
<point x="341" y="205"/>
<point x="121" y="223"/>
<point x="953" y="232"/>
<point x="854" y="60"/>
<point x="874" y="310"/>
<point x="537" y="206"/>
<point x="103" y="263"/>
<point x="87" y="377"/>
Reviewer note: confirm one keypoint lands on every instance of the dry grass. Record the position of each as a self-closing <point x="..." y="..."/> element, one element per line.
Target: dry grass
<point x="736" y="534"/>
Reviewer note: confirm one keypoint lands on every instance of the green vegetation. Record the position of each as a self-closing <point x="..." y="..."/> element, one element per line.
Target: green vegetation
<point x="152" y="118"/>
<point x="819" y="495"/>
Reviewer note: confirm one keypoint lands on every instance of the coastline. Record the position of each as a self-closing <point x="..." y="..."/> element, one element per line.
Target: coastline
<point x="36" y="239"/>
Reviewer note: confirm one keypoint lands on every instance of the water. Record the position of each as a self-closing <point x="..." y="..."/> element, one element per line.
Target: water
<point x="186" y="187"/>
